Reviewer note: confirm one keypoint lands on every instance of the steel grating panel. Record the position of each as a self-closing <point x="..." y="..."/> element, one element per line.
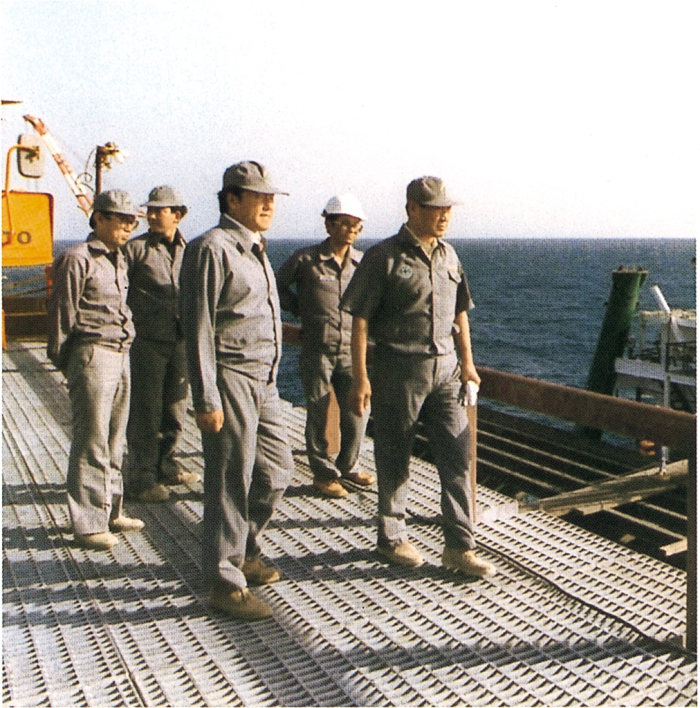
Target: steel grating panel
<point x="570" y="619"/>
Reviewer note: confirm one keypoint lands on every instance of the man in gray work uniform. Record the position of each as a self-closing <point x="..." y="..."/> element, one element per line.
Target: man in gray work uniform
<point x="410" y="295"/>
<point x="311" y="283"/>
<point x="158" y="365"/>
<point x="231" y="320"/>
<point x="89" y="335"/>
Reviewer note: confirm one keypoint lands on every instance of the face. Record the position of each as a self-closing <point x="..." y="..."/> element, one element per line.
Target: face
<point x="163" y="221"/>
<point x="427" y="221"/>
<point x="113" y="229"/>
<point x="343" y="230"/>
<point x="254" y="210"/>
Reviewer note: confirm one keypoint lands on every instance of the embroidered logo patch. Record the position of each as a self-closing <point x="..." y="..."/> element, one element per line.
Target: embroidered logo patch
<point x="404" y="271"/>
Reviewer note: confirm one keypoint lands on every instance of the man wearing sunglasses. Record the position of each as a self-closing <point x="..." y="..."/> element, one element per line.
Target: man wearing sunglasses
<point x="89" y="336"/>
<point x="158" y="365"/>
<point x="311" y="283"/>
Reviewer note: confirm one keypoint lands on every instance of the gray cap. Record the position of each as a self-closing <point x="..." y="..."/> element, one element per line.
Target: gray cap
<point x="251" y="176"/>
<point x="164" y="196"/>
<point x="429" y="191"/>
<point x="115" y="201"/>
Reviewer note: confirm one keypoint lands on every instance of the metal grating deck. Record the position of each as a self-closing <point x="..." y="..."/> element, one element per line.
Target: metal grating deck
<point x="570" y="619"/>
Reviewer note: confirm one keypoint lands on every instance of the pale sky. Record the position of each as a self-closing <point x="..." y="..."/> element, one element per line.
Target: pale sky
<point x="546" y="119"/>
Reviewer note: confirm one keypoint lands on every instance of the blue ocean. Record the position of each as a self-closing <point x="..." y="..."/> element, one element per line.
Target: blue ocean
<point x="539" y="303"/>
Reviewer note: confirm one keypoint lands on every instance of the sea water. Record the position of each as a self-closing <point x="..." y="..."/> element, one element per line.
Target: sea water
<point x="539" y="303"/>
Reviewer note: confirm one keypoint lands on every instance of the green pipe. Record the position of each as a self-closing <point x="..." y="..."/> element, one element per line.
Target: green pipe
<point x="619" y="313"/>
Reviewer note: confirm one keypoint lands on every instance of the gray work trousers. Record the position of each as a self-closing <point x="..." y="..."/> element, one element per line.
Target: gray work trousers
<point x="247" y="466"/>
<point x="319" y="371"/>
<point x="98" y="383"/>
<point x="402" y="388"/>
<point x="157" y="412"/>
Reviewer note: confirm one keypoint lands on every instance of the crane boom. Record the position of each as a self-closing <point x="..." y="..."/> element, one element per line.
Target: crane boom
<point x="81" y="194"/>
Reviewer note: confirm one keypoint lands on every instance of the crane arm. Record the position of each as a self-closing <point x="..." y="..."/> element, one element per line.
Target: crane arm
<point x="84" y="198"/>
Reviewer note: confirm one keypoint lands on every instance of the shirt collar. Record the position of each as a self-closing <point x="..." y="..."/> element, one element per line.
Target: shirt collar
<point x="325" y="253"/>
<point x="154" y="238"/>
<point x="410" y="237"/>
<point x="253" y="236"/>
<point x="98" y="247"/>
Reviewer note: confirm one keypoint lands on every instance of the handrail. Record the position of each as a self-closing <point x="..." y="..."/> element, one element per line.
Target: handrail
<point x="596" y="410"/>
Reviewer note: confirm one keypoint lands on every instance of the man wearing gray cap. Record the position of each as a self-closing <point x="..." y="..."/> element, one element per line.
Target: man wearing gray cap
<point x="311" y="283"/>
<point x="410" y="295"/>
<point x="158" y="366"/>
<point x="89" y="335"/>
<point x="233" y="333"/>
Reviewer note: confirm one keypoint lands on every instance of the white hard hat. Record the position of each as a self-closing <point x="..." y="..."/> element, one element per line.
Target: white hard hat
<point x="344" y="204"/>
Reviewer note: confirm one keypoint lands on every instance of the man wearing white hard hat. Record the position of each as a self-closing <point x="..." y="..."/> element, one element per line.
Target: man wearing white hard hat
<point x="158" y="364"/>
<point x="311" y="283"/>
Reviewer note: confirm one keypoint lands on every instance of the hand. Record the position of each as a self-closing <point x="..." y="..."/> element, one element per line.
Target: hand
<point x="469" y="374"/>
<point x="360" y="395"/>
<point x="211" y="422"/>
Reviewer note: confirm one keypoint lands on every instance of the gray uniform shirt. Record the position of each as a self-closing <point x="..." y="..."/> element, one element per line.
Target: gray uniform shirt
<point x="320" y="283"/>
<point x="229" y="310"/>
<point x="88" y="302"/>
<point x="409" y="299"/>
<point x="154" y="285"/>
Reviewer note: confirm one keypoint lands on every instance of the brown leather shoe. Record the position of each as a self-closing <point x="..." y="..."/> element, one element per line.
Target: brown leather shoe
<point x="467" y="562"/>
<point x="96" y="541"/>
<point x="182" y="477"/>
<point x="159" y="493"/>
<point x="125" y="524"/>
<point x="241" y="604"/>
<point x="257" y="573"/>
<point x="330" y="488"/>
<point x="364" y="479"/>
<point x="405" y="554"/>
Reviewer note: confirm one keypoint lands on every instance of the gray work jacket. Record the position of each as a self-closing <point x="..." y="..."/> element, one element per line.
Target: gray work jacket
<point x="229" y="310"/>
<point x="409" y="299"/>
<point x="320" y="283"/>
<point x="88" y="302"/>
<point x="154" y="285"/>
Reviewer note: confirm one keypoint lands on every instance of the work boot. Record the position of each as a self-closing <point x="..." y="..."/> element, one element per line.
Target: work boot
<point x="257" y="573"/>
<point x="364" y="479"/>
<point x="467" y="562"/>
<point x="405" y="554"/>
<point x="125" y="524"/>
<point x="330" y="488"/>
<point x="182" y="477"/>
<point x="158" y="493"/>
<point x="96" y="541"/>
<point x="241" y="604"/>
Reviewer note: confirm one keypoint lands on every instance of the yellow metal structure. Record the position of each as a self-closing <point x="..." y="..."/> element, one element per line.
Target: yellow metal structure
<point x="27" y="228"/>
